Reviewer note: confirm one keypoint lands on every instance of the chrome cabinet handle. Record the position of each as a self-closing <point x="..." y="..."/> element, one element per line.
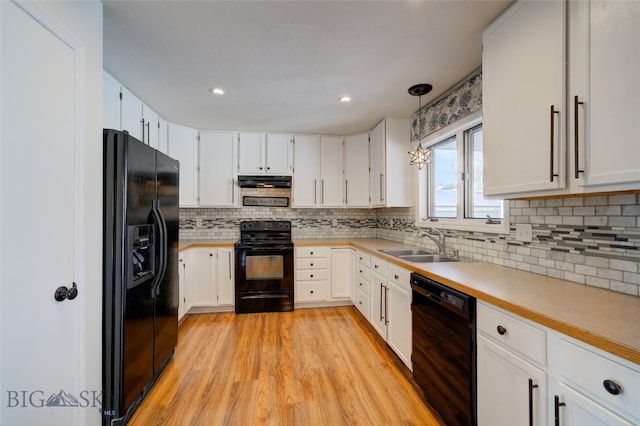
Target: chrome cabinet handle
<point x="381" y="317"/>
<point x="576" y="103"/>
<point x="386" y="305"/>
<point x="381" y="187"/>
<point x="551" y="157"/>
<point x="315" y="191"/>
<point x="346" y="192"/>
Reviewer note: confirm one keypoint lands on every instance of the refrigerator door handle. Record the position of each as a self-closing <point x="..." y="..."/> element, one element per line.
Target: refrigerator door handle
<point x="162" y="247"/>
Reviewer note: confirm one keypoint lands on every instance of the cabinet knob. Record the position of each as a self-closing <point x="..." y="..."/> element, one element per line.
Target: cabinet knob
<point x="360" y="284"/>
<point x="311" y="275"/>
<point x="311" y="292"/>
<point x="211" y="254"/>
<point x="501" y="330"/>
<point x="311" y="253"/>
<point x="612" y="387"/>
<point x="396" y="276"/>
<point x="312" y="264"/>
<point x="375" y="266"/>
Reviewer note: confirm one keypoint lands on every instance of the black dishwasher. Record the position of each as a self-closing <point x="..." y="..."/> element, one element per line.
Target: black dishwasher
<point x="444" y="349"/>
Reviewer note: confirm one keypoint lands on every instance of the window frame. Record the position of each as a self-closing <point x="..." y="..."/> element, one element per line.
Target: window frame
<point x="422" y="219"/>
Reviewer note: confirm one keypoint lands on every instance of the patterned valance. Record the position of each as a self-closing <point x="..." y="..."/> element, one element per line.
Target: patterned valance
<point x="461" y="100"/>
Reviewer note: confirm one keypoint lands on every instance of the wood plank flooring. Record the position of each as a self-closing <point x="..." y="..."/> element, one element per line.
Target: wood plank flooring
<point x="323" y="366"/>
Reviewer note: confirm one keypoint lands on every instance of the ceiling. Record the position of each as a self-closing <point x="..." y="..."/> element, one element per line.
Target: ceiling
<point x="284" y="64"/>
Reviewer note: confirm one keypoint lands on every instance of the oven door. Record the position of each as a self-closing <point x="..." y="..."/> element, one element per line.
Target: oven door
<point x="264" y="278"/>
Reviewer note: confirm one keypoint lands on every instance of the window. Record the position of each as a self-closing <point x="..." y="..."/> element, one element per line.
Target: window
<point x="451" y="186"/>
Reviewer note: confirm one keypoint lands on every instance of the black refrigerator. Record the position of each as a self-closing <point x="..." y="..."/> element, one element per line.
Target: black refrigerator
<point x="140" y="271"/>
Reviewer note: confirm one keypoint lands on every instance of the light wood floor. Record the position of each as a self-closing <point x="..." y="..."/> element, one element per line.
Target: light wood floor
<point x="307" y="367"/>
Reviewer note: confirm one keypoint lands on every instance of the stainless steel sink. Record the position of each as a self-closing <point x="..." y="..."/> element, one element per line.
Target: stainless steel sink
<point x="405" y="252"/>
<point x="428" y="258"/>
<point x="418" y="255"/>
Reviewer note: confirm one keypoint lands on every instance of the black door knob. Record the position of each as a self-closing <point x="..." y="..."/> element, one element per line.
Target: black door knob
<point x="63" y="293"/>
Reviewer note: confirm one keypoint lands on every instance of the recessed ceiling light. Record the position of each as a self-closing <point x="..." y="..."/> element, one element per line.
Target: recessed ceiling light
<point x="217" y="91"/>
<point x="345" y="99"/>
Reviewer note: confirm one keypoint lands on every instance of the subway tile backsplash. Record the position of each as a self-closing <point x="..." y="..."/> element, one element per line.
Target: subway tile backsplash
<point x="589" y="240"/>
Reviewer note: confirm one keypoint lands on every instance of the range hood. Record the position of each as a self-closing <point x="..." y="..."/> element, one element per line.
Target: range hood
<point x="264" y="181"/>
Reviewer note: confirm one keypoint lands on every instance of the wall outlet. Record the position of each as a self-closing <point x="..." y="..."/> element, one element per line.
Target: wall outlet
<point x="334" y="222"/>
<point x="524" y="232"/>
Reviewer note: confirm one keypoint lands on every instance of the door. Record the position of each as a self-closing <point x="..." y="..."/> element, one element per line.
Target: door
<point x="342" y="271"/>
<point x="225" y="268"/>
<point x="217" y="165"/>
<point x="306" y="171"/>
<point x="203" y="277"/>
<point x="131" y="115"/>
<point x="278" y="155"/>
<point x="399" y="328"/>
<point x="250" y="154"/>
<point x="356" y="170"/>
<point x="110" y="102"/>
<point x="331" y="171"/>
<point x="41" y="158"/>
<point x="379" y="304"/>
<point x="377" y="178"/>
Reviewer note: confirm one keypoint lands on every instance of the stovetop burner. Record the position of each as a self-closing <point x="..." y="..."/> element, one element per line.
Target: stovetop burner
<point x="265" y="232"/>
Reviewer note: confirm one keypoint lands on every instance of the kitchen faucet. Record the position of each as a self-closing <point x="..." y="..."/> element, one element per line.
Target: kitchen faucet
<point x="439" y="240"/>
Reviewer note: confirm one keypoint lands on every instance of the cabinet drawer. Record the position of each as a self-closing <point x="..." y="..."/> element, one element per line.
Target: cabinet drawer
<point x="399" y="277"/>
<point x="378" y="266"/>
<point x="587" y="371"/>
<point x="311" y="291"/>
<point x="311" y="275"/>
<point x="362" y="303"/>
<point x="311" y="252"/>
<point x="363" y="272"/>
<point x="513" y="333"/>
<point x="311" y="263"/>
<point x="363" y="285"/>
<point x="363" y="259"/>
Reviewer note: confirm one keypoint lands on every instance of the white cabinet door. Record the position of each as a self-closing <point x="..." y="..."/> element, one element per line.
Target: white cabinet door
<point x="163" y="136"/>
<point x="378" y="306"/>
<point x="279" y="154"/>
<point x="251" y="155"/>
<point x="377" y="161"/>
<point x="225" y="284"/>
<point x="523" y="79"/>
<point x="399" y="322"/>
<point x="356" y="170"/>
<point x="217" y="165"/>
<point x="203" y="289"/>
<point x="342" y="273"/>
<point x="110" y="102"/>
<point x="504" y="387"/>
<point x="131" y="114"/>
<point x="306" y="171"/>
<point x="604" y="68"/>
<point x="184" y="263"/>
<point x="331" y="171"/>
<point x="183" y="146"/>
<point x="49" y="137"/>
<point x="574" y="409"/>
<point x="151" y="129"/>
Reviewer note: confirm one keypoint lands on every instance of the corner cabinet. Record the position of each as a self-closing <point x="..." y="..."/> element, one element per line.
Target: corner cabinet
<point x="183" y="146"/>
<point x="391" y="178"/>
<point x="323" y="276"/>
<point x="331" y="171"/>
<point x="567" y="111"/>
<point x="306" y="171"/>
<point x="216" y="172"/>
<point x="260" y="153"/>
<point x="528" y="374"/>
<point x="356" y="170"/>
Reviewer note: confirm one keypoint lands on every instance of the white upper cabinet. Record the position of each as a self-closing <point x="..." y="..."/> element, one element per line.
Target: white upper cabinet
<point x="217" y="172"/>
<point x="110" y="102"/>
<point x="524" y="99"/>
<point x="567" y="115"/>
<point x="391" y="178"/>
<point x="183" y="146"/>
<point x="265" y="154"/>
<point x="306" y="171"/>
<point x="356" y="170"/>
<point x="604" y="66"/>
<point x="279" y="154"/>
<point x="163" y="135"/>
<point x="331" y="171"/>
<point x="151" y="121"/>
<point x="131" y="114"/>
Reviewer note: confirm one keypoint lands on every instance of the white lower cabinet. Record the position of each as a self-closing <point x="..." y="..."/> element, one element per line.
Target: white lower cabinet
<point x="362" y="284"/>
<point x="208" y="279"/>
<point x="509" y="388"/>
<point x="399" y="322"/>
<point x="312" y="273"/>
<point x="183" y="261"/>
<point x="528" y="374"/>
<point x="342" y="260"/>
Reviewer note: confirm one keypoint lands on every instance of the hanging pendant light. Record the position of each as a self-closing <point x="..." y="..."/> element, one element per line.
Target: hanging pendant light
<point x="419" y="156"/>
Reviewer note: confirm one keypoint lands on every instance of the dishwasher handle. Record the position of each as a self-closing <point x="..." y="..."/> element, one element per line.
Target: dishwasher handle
<point x="426" y="294"/>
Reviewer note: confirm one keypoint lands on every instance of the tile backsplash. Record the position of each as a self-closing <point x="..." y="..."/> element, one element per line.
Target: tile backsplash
<point x="589" y="240"/>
